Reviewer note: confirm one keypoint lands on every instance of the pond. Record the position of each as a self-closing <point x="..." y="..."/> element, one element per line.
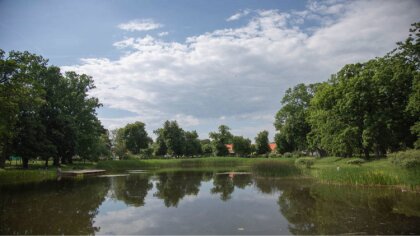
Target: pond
<point x="204" y="202"/>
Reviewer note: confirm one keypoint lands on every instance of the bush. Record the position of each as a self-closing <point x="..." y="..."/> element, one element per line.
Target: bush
<point x="407" y="159"/>
<point x="288" y="154"/>
<point x="297" y="154"/>
<point x="304" y="162"/>
<point x="357" y="161"/>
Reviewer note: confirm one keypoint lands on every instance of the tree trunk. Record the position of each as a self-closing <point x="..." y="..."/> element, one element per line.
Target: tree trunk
<point x="25" y="163"/>
<point x="46" y="162"/>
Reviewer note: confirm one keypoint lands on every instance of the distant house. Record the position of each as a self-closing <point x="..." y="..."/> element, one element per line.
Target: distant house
<point x="273" y="147"/>
<point x="230" y="148"/>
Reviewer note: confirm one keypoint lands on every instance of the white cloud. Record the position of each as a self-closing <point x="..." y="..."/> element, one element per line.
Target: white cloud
<point x="140" y="25"/>
<point x="241" y="73"/>
<point x="161" y="34"/>
<point x="238" y="15"/>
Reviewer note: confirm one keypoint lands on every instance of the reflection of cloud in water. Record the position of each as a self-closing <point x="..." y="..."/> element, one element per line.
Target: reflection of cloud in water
<point x="194" y="214"/>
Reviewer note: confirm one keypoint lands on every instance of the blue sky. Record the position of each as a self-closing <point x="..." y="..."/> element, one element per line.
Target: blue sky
<point x="204" y="63"/>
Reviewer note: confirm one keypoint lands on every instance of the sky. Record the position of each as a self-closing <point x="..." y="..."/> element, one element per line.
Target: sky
<point x="202" y="63"/>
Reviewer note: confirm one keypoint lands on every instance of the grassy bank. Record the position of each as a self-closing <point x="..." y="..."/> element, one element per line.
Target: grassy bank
<point x="178" y="163"/>
<point x="331" y="170"/>
<point x="17" y="176"/>
<point x="375" y="172"/>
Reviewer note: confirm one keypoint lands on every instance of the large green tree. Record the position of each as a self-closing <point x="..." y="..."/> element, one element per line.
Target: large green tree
<point x="291" y="119"/>
<point x="45" y="114"/>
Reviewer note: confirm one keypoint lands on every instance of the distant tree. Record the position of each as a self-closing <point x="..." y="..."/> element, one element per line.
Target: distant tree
<point x="220" y="139"/>
<point x="135" y="136"/>
<point x="174" y="138"/>
<point x="261" y="143"/>
<point x="159" y="147"/>
<point x="192" y="144"/>
<point x="241" y="146"/>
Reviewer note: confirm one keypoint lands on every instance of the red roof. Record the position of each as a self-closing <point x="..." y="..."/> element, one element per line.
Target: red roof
<point x="229" y="148"/>
<point x="272" y="146"/>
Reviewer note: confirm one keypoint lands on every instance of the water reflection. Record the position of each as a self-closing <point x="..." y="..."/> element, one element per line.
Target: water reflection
<point x="204" y="202"/>
<point x="65" y="207"/>
<point x="131" y="189"/>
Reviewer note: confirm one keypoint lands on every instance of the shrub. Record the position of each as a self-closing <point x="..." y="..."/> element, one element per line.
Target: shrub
<point x="297" y="154"/>
<point x="304" y="162"/>
<point x="288" y="154"/>
<point x="407" y="159"/>
<point x="357" y="161"/>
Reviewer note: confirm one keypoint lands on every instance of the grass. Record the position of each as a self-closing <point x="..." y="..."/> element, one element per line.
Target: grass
<point x="15" y="176"/>
<point x="276" y="168"/>
<point x="177" y="163"/>
<point x="375" y="172"/>
<point x="328" y="170"/>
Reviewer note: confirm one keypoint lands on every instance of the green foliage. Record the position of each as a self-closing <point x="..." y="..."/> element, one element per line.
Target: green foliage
<point x="291" y="119"/>
<point x="363" y="109"/>
<point x="356" y="161"/>
<point x="192" y="144"/>
<point x="288" y="155"/>
<point x="220" y="139"/>
<point x="241" y="146"/>
<point x="261" y="143"/>
<point x="135" y="137"/>
<point x="45" y="113"/>
<point x="409" y="159"/>
<point x="357" y="176"/>
<point x="305" y="162"/>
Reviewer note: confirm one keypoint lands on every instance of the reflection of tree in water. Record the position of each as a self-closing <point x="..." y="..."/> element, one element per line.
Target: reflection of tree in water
<point x="65" y="207"/>
<point x="297" y="205"/>
<point x="131" y="189"/>
<point x="326" y="209"/>
<point x="266" y="185"/>
<point x="223" y="184"/>
<point x="172" y="187"/>
<point x="242" y="180"/>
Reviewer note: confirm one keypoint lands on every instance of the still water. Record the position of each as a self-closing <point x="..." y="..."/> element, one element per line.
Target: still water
<point x="204" y="202"/>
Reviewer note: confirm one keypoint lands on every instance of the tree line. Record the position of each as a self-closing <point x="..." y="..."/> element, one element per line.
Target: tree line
<point x="47" y="114"/>
<point x="365" y="109"/>
<point x="172" y="140"/>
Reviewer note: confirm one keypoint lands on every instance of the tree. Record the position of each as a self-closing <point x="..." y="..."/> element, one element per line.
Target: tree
<point x="174" y="138"/>
<point x="282" y="144"/>
<point x="135" y="137"/>
<point x="220" y="139"/>
<point x="159" y="147"/>
<point x="291" y="119"/>
<point x="241" y="146"/>
<point x="261" y="143"/>
<point x="44" y="113"/>
<point x="192" y="144"/>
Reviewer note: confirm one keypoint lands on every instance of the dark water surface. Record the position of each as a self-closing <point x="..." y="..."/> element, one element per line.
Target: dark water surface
<point x="204" y="202"/>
